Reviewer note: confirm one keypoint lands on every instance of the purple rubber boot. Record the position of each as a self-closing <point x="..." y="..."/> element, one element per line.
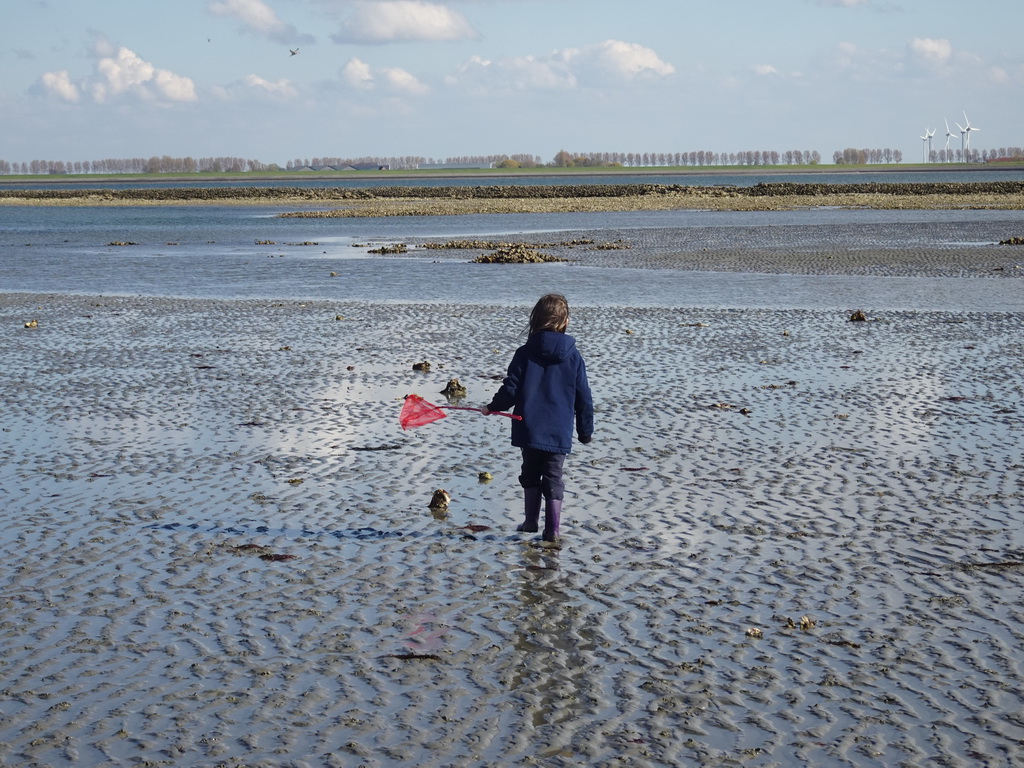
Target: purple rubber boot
<point x="531" y="509"/>
<point x="552" y="519"/>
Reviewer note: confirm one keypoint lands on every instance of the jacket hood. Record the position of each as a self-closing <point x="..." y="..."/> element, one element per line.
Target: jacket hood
<point x="551" y="346"/>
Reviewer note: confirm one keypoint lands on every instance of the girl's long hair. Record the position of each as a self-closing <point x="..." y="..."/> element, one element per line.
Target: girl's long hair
<point x="550" y="313"/>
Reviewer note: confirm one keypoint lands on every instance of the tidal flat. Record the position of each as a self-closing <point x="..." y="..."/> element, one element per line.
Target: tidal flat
<point x="795" y="539"/>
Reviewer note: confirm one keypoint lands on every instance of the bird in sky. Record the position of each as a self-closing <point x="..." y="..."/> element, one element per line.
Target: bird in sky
<point x="294" y="52"/>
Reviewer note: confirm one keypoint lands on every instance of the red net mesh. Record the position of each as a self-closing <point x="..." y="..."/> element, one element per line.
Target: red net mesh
<point x="416" y="412"/>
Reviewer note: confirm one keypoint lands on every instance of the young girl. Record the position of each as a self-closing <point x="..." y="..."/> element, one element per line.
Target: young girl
<point x="547" y="385"/>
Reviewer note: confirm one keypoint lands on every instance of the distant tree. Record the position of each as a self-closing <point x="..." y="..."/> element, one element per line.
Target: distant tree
<point x="562" y="160"/>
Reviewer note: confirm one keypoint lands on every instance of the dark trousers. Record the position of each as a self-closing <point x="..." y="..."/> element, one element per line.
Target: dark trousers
<point x="544" y="470"/>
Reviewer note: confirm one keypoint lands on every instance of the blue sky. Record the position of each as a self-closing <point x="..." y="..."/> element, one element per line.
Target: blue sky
<point x="440" y="78"/>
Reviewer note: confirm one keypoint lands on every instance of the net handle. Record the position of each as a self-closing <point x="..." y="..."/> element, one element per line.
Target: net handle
<point x="515" y="416"/>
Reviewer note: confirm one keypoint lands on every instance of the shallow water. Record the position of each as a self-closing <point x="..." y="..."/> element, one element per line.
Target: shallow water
<point x="217" y="252"/>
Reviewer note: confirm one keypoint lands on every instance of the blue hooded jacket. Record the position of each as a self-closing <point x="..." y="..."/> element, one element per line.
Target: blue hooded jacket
<point x="547" y="385"/>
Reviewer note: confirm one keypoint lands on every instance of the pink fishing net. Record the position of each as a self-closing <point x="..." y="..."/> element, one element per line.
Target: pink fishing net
<point x="416" y="412"/>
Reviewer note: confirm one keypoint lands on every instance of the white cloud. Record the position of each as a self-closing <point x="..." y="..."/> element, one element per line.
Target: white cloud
<point x="59" y="83"/>
<point x="933" y="63"/>
<point x="403" y="21"/>
<point x="174" y="87"/>
<point x="765" y="69"/>
<point x="126" y="73"/>
<point x="120" y="73"/>
<point x="403" y="82"/>
<point x="625" y="61"/>
<point x="550" y="74"/>
<point x="998" y="76"/>
<point x="930" y="50"/>
<point x="280" y="87"/>
<point x="359" y="75"/>
<point x="607" y="64"/>
<point x="256" y="90"/>
<point x="520" y="73"/>
<point x="258" y="18"/>
<point x="356" y="73"/>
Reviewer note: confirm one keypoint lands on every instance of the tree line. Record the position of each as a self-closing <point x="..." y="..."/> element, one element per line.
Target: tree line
<point x="699" y="158"/>
<point x="164" y="164"/>
<point x="563" y="159"/>
<point x="410" y="162"/>
<point x="975" y="155"/>
<point x="853" y="156"/>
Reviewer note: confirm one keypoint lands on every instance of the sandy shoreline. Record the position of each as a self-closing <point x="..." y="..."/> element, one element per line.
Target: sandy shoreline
<point x="218" y="547"/>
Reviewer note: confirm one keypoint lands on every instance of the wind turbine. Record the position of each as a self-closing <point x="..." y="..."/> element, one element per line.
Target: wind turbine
<point x="967" y="130"/>
<point x="963" y="132"/>
<point x="929" y="135"/>
<point x="949" y="135"/>
<point x="924" y="146"/>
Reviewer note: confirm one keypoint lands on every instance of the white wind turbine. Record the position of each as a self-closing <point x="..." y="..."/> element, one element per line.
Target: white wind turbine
<point x="929" y="134"/>
<point x="924" y="146"/>
<point x="967" y="130"/>
<point x="949" y="135"/>
<point x="963" y="132"/>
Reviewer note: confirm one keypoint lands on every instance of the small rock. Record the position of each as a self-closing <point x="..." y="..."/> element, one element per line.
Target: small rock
<point x="423" y="367"/>
<point x="440" y="500"/>
<point x="454" y="389"/>
<point x="388" y="249"/>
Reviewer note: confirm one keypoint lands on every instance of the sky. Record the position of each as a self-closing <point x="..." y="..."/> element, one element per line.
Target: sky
<point x="450" y="78"/>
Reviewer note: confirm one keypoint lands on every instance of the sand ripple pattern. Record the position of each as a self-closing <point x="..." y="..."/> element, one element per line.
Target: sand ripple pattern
<point x="218" y="550"/>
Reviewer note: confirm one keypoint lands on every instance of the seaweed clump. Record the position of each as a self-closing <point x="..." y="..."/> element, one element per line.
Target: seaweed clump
<point x="515" y="253"/>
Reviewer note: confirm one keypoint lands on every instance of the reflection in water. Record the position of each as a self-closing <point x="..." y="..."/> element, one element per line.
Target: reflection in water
<point x="553" y="647"/>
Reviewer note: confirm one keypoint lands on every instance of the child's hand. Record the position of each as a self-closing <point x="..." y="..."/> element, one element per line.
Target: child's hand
<point x="485" y="412"/>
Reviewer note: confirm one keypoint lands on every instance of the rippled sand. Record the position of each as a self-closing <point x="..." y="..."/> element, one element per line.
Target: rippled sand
<point x="795" y="540"/>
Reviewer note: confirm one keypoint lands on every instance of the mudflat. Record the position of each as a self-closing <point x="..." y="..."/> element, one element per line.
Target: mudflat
<point x="795" y="539"/>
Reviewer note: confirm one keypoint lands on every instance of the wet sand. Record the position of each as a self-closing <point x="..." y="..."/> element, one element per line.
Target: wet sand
<point x="795" y="540"/>
<point x="752" y="250"/>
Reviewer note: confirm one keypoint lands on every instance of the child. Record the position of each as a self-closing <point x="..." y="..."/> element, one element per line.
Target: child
<point x="547" y="385"/>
